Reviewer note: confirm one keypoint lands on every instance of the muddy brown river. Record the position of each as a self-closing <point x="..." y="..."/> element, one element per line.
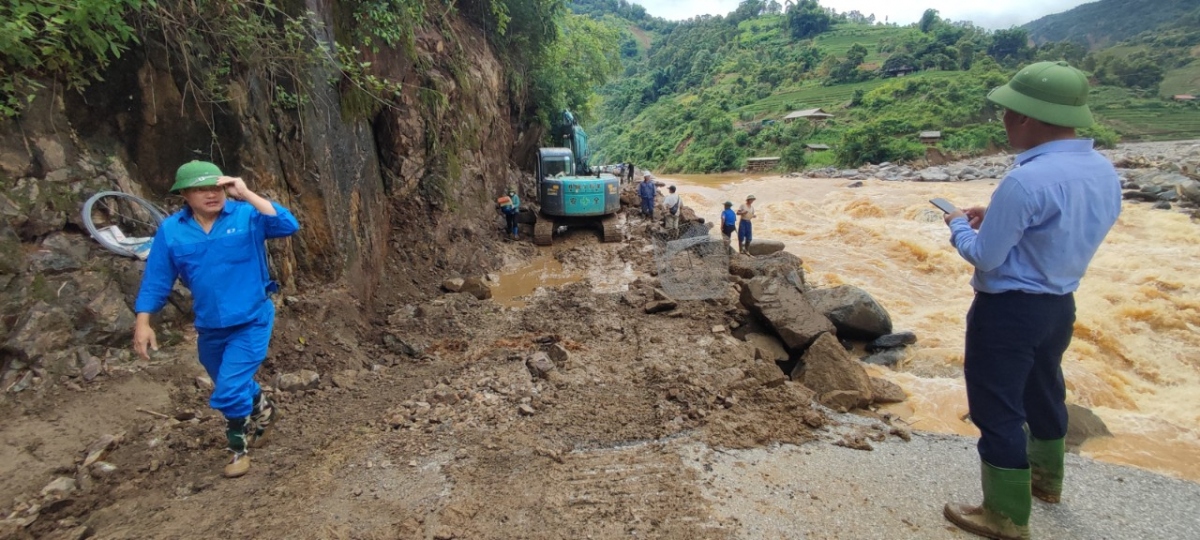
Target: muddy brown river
<point x="1135" y="358"/>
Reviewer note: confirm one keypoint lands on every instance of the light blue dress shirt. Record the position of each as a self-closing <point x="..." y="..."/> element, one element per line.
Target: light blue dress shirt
<point x="1045" y="222"/>
<point x="226" y="268"/>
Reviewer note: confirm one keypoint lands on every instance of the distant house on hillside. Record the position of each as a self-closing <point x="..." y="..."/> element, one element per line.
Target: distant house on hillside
<point x="812" y="115"/>
<point x="1183" y="97"/>
<point x="899" y="71"/>
<point x="930" y="137"/>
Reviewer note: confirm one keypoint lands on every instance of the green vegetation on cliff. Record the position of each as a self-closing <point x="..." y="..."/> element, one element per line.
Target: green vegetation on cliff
<point x="713" y="90"/>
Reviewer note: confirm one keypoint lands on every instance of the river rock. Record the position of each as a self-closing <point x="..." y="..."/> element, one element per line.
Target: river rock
<point x="827" y="367"/>
<point x="765" y="247"/>
<point x="1162" y="205"/>
<point x="786" y="311"/>
<point x="888" y="358"/>
<point x="477" y="287"/>
<point x="767" y="347"/>
<point x="934" y="176"/>
<point x="884" y="391"/>
<point x="1139" y="196"/>
<point x="892" y="341"/>
<point x="841" y="400"/>
<point x="453" y="284"/>
<point x="1083" y="424"/>
<point x="853" y="311"/>
<point x="781" y="264"/>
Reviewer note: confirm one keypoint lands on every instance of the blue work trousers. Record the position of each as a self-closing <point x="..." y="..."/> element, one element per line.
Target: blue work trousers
<point x="1013" y="367"/>
<point x="231" y="357"/>
<point x="745" y="231"/>
<point x="647" y="206"/>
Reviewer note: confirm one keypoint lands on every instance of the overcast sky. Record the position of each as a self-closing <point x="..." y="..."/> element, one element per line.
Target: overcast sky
<point x="989" y="14"/>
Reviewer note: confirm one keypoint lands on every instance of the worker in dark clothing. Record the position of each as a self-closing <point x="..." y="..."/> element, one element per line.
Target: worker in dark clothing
<point x="646" y="190"/>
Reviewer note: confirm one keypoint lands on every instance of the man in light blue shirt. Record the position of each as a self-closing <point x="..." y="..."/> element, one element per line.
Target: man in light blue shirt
<point x="216" y="248"/>
<point x="1030" y="248"/>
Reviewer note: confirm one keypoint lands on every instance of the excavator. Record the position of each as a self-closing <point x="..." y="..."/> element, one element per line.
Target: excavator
<point x="570" y="192"/>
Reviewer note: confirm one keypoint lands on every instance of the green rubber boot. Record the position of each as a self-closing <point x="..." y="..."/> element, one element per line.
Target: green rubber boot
<point x="1046" y="468"/>
<point x="235" y="431"/>
<point x="1007" y="503"/>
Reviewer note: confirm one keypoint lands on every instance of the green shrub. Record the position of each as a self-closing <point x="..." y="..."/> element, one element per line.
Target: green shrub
<point x="794" y="157"/>
<point x="1103" y="136"/>
<point x="73" y="41"/>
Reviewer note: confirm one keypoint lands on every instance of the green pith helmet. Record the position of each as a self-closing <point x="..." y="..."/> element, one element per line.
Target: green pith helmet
<point x="195" y="174"/>
<point x="1053" y="92"/>
<point x="728" y="204"/>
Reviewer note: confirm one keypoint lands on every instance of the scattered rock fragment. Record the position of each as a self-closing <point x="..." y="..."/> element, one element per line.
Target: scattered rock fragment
<point x="302" y="380"/>
<point x="892" y="341"/>
<point x="827" y="367"/>
<point x="539" y="365"/>
<point x="885" y="391"/>
<point x="659" y="306"/>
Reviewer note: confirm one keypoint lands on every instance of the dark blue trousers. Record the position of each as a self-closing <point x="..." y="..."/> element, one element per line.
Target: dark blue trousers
<point x="648" y="206"/>
<point x="745" y="232"/>
<point x="1013" y="367"/>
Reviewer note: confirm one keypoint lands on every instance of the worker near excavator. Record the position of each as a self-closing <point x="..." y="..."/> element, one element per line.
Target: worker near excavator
<point x="647" y="191"/>
<point x="216" y="247"/>
<point x="1030" y="248"/>
<point x="673" y="205"/>
<point x="510" y="206"/>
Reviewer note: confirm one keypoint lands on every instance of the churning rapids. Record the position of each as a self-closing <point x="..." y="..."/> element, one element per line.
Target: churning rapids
<point x="1135" y="357"/>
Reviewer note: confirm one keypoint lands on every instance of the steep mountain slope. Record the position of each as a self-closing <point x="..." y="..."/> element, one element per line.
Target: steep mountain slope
<point x="1107" y="22"/>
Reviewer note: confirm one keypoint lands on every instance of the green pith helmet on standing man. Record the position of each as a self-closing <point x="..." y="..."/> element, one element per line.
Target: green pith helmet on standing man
<point x="1052" y="92"/>
<point x="196" y="174"/>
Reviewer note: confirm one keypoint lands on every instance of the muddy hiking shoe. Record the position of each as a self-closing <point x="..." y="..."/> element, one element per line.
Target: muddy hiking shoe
<point x="236" y="432"/>
<point x="261" y="417"/>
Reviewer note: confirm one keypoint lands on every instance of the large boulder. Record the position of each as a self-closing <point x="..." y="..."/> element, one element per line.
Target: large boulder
<point x="1083" y="424"/>
<point x="854" y="312"/>
<point x="827" y="367"/>
<point x="476" y="287"/>
<point x="782" y="264"/>
<point x="786" y="311"/>
<point x="760" y="248"/>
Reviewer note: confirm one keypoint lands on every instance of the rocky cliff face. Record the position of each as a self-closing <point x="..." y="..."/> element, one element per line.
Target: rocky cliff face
<point x="383" y="197"/>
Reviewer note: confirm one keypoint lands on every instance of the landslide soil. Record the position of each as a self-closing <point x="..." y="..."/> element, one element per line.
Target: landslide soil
<point x="427" y="422"/>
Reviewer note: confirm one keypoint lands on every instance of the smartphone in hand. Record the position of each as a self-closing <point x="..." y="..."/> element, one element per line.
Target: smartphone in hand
<point x="943" y="205"/>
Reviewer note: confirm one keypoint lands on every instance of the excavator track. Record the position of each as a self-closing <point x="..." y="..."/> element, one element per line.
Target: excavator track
<point x="611" y="228"/>
<point x="543" y="231"/>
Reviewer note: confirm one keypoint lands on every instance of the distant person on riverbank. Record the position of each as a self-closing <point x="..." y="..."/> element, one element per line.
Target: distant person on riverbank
<point x="1030" y="248"/>
<point x="629" y="172"/>
<point x="216" y="247"/>
<point x="745" y="227"/>
<point x="728" y="224"/>
<point x="674" y="206"/>
<point x="646" y="190"/>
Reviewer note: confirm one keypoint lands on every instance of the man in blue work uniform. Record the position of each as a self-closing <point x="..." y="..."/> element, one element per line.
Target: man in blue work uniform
<point x="647" y="191"/>
<point x="216" y="247"/>
<point x="1046" y="220"/>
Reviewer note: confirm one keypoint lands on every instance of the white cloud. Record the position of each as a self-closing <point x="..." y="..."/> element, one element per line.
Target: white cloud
<point x="990" y="14"/>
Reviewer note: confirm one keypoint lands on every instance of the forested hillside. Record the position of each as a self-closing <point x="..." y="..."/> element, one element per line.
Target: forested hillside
<point x="1107" y="22"/>
<point x="712" y="91"/>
